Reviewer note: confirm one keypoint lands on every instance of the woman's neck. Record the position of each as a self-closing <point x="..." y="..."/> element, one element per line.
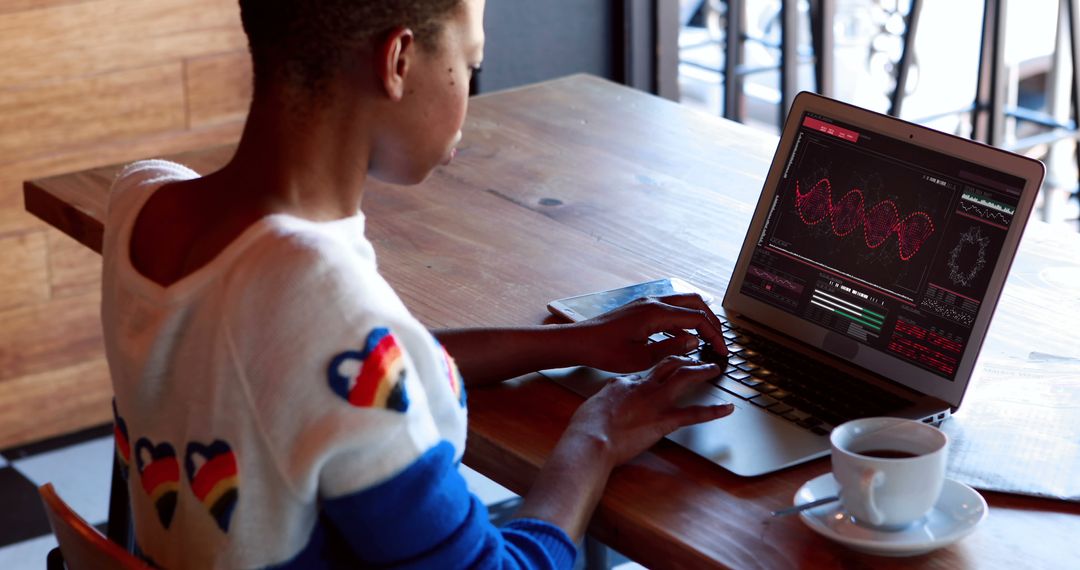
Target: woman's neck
<point x="311" y="162"/>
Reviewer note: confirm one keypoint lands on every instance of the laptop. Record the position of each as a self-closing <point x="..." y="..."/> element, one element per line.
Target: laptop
<point x="865" y="285"/>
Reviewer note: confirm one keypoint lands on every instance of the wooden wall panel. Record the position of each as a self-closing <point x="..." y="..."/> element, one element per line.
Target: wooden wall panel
<point x="24" y="271"/>
<point x="73" y="269"/>
<point x="106" y="35"/>
<point x="13" y="219"/>
<point x="90" y="110"/>
<point x="41" y="337"/>
<point x="7" y="6"/>
<point x="56" y="401"/>
<point x="218" y="88"/>
<point x="86" y="83"/>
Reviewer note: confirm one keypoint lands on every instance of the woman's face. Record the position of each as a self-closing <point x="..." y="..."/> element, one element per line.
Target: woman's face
<point x="425" y="126"/>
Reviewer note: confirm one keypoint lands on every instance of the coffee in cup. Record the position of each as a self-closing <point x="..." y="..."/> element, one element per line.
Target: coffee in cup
<point x="890" y="470"/>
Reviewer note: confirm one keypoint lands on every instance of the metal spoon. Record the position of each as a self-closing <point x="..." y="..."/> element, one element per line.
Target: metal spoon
<point x="804" y="506"/>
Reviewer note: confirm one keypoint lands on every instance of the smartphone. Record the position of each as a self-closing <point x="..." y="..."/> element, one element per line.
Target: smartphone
<point x="589" y="305"/>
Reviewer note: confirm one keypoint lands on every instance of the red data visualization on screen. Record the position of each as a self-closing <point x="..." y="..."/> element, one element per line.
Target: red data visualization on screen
<point x="883" y="241"/>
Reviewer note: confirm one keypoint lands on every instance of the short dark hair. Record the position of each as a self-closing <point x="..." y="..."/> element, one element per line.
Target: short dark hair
<point x="304" y="42"/>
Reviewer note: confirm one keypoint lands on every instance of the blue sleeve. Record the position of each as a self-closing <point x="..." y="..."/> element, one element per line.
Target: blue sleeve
<point x="425" y="517"/>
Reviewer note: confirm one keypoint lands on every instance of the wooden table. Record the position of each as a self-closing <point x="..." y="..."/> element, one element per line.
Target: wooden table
<point x="575" y="185"/>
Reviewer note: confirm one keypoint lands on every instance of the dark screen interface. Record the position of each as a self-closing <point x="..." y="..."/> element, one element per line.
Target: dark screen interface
<point x="884" y="242"/>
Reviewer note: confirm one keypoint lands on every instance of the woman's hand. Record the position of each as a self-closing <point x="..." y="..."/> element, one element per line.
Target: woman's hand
<point x="632" y="412"/>
<point x="618" y="341"/>
<point x="623" y="419"/>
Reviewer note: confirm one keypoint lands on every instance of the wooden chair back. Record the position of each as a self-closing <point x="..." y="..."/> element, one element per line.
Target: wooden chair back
<point x="81" y="545"/>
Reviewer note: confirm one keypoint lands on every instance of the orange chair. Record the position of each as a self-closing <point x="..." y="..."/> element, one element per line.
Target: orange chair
<point x="82" y="547"/>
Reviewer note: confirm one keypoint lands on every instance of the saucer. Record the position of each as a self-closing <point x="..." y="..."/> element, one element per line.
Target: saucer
<point x="957" y="512"/>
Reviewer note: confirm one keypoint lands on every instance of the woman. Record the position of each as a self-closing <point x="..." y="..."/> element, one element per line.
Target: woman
<point x="276" y="404"/>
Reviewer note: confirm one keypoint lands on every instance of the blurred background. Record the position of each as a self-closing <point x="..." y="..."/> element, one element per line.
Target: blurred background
<point x="868" y="41"/>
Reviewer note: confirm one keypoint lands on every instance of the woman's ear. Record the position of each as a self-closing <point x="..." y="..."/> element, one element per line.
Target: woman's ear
<point x="394" y="60"/>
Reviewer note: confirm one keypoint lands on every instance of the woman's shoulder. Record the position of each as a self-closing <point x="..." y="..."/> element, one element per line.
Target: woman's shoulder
<point x="287" y="257"/>
<point x="288" y="243"/>
<point x="153" y="171"/>
<point x="135" y="183"/>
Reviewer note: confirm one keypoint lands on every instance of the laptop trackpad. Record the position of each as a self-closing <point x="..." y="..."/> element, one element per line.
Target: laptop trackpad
<point x="750" y="441"/>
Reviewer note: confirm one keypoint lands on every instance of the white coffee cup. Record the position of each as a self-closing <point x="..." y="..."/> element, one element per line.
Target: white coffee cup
<point x="890" y="470"/>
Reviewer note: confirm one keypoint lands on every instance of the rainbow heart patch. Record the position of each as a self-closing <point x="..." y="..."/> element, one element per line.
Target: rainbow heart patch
<point x="160" y="475"/>
<point x="213" y="476"/>
<point x="123" y="444"/>
<point x="372" y="377"/>
<point x="457" y="383"/>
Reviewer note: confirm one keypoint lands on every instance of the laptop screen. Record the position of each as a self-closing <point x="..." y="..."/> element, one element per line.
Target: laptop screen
<point x="883" y="241"/>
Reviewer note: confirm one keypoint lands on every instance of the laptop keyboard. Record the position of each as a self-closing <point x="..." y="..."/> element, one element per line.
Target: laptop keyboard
<point x="792" y="385"/>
